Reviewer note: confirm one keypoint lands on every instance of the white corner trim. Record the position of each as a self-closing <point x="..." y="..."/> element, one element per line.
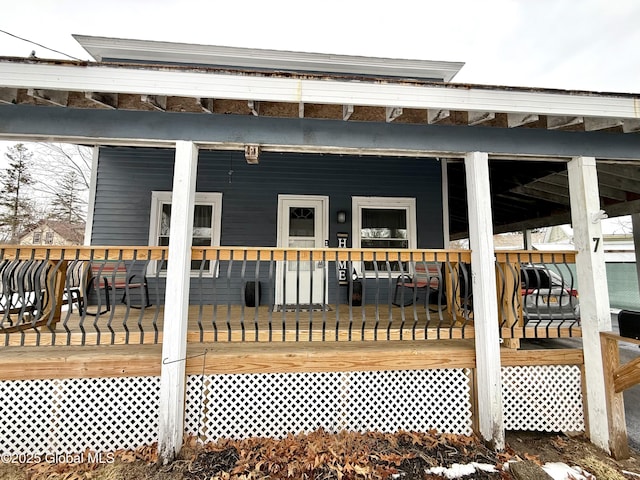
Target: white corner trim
<point x="88" y="226"/>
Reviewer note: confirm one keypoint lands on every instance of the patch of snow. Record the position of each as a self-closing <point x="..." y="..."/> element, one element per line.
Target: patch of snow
<point x="458" y="470"/>
<point x="562" y="471"/>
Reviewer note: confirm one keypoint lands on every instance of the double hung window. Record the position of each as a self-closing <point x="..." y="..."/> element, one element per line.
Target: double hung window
<point x="387" y="223"/>
<point x="206" y="225"/>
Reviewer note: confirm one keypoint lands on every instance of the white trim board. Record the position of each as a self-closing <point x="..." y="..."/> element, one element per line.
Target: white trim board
<point x="205" y="84"/>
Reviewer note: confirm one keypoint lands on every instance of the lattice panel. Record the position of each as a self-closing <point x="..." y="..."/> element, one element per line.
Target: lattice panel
<point x="543" y="398"/>
<point x="70" y="415"/>
<point x="243" y="405"/>
<point x="410" y="400"/>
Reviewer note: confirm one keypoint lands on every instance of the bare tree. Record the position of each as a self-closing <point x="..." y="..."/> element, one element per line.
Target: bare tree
<point x="17" y="209"/>
<point x="63" y="178"/>
<point x="67" y="156"/>
<point x="67" y="204"/>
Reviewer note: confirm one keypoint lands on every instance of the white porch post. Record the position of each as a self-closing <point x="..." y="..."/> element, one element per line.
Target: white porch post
<point x="485" y="307"/>
<point x="635" y="225"/>
<point x="592" y="281"/>
<point x="446" y="236"/>
<point x="176" y="309"/>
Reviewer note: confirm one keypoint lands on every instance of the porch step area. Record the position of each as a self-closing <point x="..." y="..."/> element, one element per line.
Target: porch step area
<point x="25" y="363"/>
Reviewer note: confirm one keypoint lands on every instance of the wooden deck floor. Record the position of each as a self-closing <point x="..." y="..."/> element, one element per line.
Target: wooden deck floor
<point x="236" y="323"/>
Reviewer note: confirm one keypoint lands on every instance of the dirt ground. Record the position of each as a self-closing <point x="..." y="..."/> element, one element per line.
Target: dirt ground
<point x="323" y="456"/>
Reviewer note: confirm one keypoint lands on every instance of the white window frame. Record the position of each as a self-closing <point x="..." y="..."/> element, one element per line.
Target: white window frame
<point x="408" y="204"/>
<point x="159" y="198"/>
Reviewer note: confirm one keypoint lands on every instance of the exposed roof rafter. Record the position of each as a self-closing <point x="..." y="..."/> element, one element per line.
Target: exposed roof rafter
<point x="392" y="113"/>
<point x="555" y="122"/>
<point x="478" y="118"/>
<point x="158" y="102"/>
<point x="437" y="116"/>
<point x="8" y="95"/>
<point x="109" y="100"/>
<point x="59" y="98"/>
<point x="520" y="119"/>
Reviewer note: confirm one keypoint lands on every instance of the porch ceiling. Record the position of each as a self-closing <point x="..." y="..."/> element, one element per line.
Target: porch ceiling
<point x="526" y="193"/>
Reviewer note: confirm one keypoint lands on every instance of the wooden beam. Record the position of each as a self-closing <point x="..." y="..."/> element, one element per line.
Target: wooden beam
<point x="618" y="442"/>
<point x="347" y="111"/>
<point x="541" y="193"/>
<point x="301" y="110"/>
<point x="158" y="102"/>
<point x="513" y="358"/>
<point x="554" y="122"/>
<point x="612" y="179"/>
<point x="206" y="104"/>
<point x="627" y="375"/>
<point x="391" y="113"/>
<point x="30" y="363"/>
<point x="631" y="125"/>
<point x="58" y="98"/>
<point x="560" y="179"/>
<point x="254" y="107"/>
<point x="8" y="95"/>
<point x="478" y="118"/>
<point x="437" y="116"/>
<point x="597" y="123"/>
<point x="109" y="100"/>
<point x="520" y="119"/>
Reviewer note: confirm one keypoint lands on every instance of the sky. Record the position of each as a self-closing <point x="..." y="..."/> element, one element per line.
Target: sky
<point x="567" y="44"/>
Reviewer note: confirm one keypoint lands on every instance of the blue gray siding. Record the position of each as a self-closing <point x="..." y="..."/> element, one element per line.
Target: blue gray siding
<point x="126" y="177"/>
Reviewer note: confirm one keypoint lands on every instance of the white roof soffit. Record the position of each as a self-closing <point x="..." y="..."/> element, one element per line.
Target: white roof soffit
<point x="118" y="49"/>
<point x="203" y="83"/>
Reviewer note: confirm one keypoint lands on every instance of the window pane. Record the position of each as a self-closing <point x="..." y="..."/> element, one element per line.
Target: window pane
<point x="202" y="216"/>
<point x="165" y="220"/>
<point x="387" y="229"/>
<point x="301" y="222"/>
<point x="202" y="231"/>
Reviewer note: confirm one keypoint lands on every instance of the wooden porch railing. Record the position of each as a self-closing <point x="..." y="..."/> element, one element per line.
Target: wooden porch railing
<point x="115" y="295"/>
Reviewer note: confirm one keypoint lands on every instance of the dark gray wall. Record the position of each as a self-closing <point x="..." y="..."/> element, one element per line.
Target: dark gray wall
<point x="126" y="177"/>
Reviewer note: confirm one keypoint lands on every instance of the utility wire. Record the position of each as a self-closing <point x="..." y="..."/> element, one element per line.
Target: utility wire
<point x="40" y="45"/>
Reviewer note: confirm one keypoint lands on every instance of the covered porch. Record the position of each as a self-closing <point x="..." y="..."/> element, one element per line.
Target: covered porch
<point x="490" y="154"/>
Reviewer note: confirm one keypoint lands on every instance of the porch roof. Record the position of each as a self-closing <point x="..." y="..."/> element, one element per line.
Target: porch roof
<point x="382" y="93"/>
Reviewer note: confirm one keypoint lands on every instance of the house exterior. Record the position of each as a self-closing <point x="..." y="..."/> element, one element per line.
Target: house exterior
<point x="232" y="177"/>
<point x="53" y="232"/>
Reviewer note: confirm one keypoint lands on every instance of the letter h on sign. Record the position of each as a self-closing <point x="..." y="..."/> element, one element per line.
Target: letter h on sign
<point x="343" y="268"/>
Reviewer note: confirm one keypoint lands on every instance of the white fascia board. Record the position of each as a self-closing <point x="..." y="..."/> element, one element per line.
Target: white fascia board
<point x="102" y="48"/>
<point x="193" y="83"/>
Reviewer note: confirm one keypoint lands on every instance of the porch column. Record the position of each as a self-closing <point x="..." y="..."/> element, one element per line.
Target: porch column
<point x="635" y="225"/>
<point x="446" y="236"/>
<point x="176" y="308"/>
<point x="485" y="307"/>
<point x="592" y="281"/>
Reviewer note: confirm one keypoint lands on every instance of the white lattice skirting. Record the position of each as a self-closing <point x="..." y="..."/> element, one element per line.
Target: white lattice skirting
<point x="238" y="406"/>
<point x="67" y="416"/>
<point x="104" y="414"/>
<point x="543" y="398"/>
